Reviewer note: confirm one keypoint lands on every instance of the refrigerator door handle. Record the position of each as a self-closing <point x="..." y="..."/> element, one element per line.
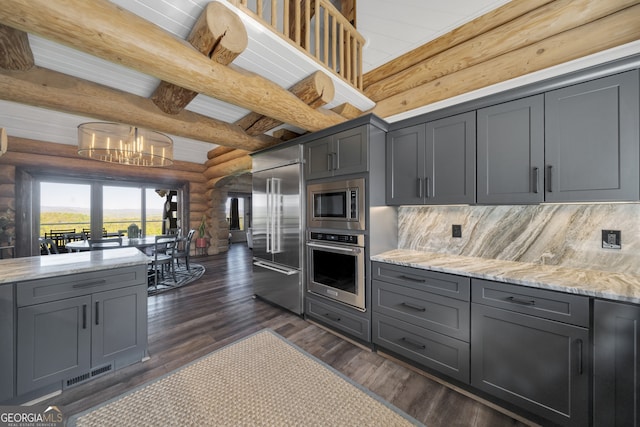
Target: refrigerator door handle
<point x="268" y="234"/>
<point x="288" y="272"/>
<point x="276" y="236"/>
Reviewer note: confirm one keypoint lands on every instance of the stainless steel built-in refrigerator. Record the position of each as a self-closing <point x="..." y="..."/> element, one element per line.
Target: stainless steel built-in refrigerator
<point x="277" y="227"/>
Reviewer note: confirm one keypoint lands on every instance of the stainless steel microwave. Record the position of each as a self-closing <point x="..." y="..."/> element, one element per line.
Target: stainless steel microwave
<point x="337" y="205"/>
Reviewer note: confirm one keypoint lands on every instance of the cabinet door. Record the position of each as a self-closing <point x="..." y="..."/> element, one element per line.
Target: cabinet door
<point x="511" y="152"/>
<point x="53" y="342"/>
<point x="350" y="149"/>
<point x="405" y="166"/>
<point x="319" y="158"/>
<point x="537" y="364"/>
<point x="591" y="140"/>
<point x="450" y="166"/>
<point x="616" y="365"/>
<point x="7" y="348"/>
<point x="119" y="325"/>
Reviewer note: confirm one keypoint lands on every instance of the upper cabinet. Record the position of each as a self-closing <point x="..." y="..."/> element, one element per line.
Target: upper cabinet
<point x="339" y="154"/>
<point x="578" y="143"/>
<point x="511" y="152"/>
<point x="591" y="140"/>
<point x="433" y="163"/>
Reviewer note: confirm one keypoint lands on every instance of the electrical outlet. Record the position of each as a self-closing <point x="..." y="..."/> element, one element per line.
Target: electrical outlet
<point x="611" y="239"/>
<point x="456" y="230"/>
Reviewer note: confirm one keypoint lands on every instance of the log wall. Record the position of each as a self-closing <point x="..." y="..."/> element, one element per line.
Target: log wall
<point x="516" y="39"/>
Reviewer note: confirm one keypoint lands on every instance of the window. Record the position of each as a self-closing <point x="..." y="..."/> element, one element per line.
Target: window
<point x="69" y="206"/>
<point x="64" y="206"/>
<point x="235" y="213"/>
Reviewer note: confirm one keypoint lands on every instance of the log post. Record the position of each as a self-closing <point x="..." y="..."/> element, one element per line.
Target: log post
<point x="219" y="34"/>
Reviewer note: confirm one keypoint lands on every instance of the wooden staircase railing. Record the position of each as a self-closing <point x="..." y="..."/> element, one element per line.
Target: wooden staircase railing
<point x="317" y="28"/>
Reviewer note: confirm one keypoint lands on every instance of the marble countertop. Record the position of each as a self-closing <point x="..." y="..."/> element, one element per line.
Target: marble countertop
<point x="595" y="283"/>
<point x="38" y="267"/>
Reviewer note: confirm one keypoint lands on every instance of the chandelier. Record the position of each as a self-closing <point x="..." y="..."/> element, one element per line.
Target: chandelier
<point x="124" y="144"/>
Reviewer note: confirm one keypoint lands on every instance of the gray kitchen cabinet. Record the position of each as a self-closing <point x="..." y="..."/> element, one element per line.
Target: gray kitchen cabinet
<point x="7" y="349"/>
<point x="345" y="320"/>
<point x="523" y="355"/>
<point x="591" y="140"/>
<point x="433" y="163"/>
<point x="119" y="330"/>
<point x="511" y="152"/>
<point x="616" y="364"/>
<point x="343" y="153"/>
<point x="423" y="316"/>
<point x="53" y="342"/>
<point x="73" y="328"/>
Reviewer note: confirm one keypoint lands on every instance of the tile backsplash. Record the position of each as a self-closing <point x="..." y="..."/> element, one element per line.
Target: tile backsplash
<point x="567" y="235"/>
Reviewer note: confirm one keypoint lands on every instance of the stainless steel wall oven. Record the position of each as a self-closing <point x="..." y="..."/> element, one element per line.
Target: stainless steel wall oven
<point x="336" y="267"/>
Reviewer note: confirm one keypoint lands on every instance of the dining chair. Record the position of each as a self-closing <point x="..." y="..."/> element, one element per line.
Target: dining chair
<point x="57" y="235"/>
<point x="183" y="248"/>
<point x="72" y="237"/>
<point x="110" y="243"/>
<point x="48" y="246"/>
<point x="162" y="257"/>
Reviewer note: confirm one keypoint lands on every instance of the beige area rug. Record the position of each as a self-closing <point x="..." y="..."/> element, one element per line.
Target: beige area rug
<point x="262" y="380"/>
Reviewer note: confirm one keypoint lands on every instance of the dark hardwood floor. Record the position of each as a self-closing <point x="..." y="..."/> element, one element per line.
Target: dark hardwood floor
<point x="218" y="309"/>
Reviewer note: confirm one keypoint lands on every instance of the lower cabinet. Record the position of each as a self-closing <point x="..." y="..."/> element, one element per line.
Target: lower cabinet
<point x="616" y="364"/>
<point x="422" y="316"/>
<point x="99" y="326"/>
<point x="342" y="319"/>
<point x="521" y="356"/>
<point x="7" y="334"/>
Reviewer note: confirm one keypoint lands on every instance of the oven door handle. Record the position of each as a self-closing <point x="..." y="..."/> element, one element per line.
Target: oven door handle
<point x="288" y="272"/>
<point x="335" y="248"/>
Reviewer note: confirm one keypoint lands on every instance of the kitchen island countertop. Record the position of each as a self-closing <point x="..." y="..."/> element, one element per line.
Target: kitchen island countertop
<point x="39" y="267"/>
<point x="595" y="283"/>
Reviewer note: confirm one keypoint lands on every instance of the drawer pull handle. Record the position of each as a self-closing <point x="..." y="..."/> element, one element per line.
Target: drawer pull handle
<point x="413" y="306"/>
<point x="413" y="343"/>
<point x="330" y="317"/>
<point x="89" y="284"/>
<point x="413" y="279"/>
<point x="521" y="301"/>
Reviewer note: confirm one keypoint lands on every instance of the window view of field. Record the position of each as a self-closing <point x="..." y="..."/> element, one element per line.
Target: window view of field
<point x="67" y="207"/>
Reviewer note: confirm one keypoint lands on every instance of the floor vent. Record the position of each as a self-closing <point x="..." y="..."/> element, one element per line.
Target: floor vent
<point x="88" y="375"/>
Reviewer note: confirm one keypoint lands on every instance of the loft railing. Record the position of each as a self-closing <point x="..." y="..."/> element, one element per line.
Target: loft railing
<point x="316" y="27"/>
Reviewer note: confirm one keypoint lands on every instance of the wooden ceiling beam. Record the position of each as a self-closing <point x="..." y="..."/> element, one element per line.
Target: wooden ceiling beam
<point x="480" y="25"/>
<point x="347" y="111"/>
<point x="218" y="34"/>
<point x="315" y="90"/>
<point x="532" y="27"/>
<point x="15" y="51"/>
<point x="105" y="30"/>
<point x="620" y="28"/>
<point x="49" y="89"/>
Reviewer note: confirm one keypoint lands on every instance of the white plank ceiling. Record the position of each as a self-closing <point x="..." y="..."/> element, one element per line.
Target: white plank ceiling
<point x="391" y="28"/>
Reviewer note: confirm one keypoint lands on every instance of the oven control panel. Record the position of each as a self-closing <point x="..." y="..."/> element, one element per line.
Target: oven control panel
<point x="349" y="239"/>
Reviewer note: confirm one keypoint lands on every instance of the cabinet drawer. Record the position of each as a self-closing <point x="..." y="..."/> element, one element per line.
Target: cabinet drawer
<point x="567" y="308"/>
<point x="445" y="315"/>
<point x="62" y="287"/>
<point x="445" y="284"/>
<point x="339" y="319"/>
<point x="430" y="349"/>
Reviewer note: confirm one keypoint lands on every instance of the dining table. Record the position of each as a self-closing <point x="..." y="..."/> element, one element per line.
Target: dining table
<point x="139" y="242"/>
